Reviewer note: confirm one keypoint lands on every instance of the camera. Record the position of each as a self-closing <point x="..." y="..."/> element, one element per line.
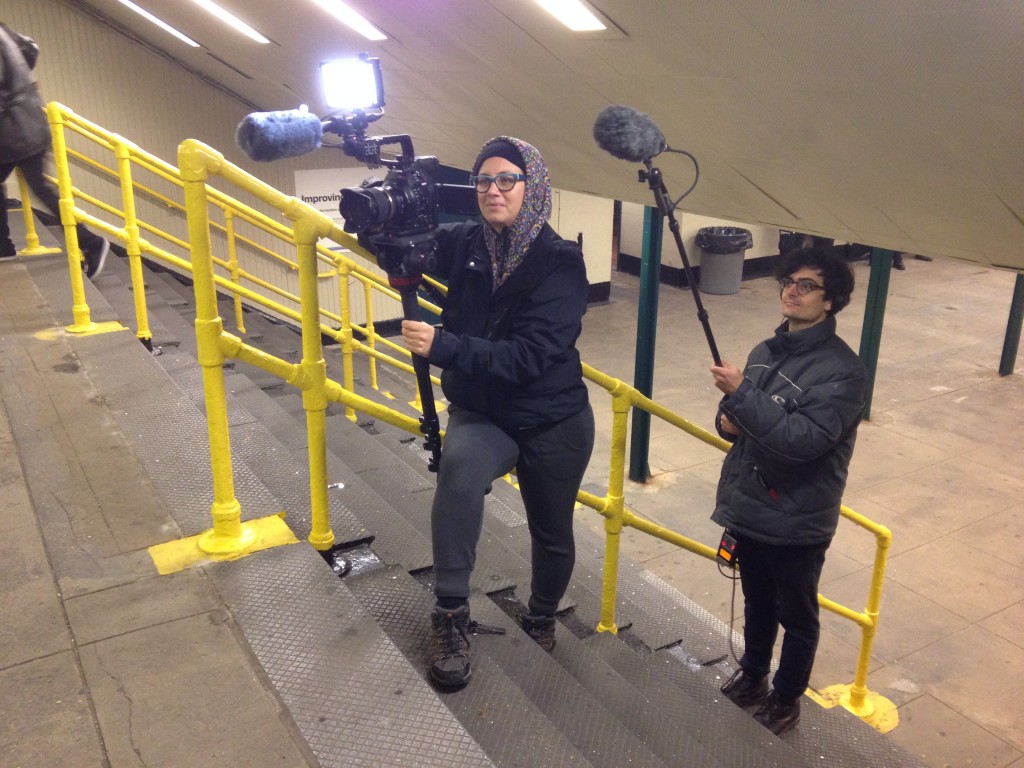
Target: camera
<point x="397" y="215"/>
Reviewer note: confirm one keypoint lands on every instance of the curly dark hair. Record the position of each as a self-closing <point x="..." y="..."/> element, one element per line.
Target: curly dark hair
<point x="834" y="269"/>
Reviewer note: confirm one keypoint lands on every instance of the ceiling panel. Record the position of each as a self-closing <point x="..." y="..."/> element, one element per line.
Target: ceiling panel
<point x="890" y="122"/>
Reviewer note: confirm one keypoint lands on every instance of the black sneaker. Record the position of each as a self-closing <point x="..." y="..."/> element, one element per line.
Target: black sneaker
<point x="448" y="655"/>
<point x="745" y="691"/>
<point x="541" y="629"/>
<point x="8" y="251"/>
<point x="96" y="257"/>
<point x="778" y="716"/>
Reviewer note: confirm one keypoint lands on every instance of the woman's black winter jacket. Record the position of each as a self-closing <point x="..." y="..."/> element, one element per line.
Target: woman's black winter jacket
<point x="798" y="410"/>
<point x="511" y="354"/>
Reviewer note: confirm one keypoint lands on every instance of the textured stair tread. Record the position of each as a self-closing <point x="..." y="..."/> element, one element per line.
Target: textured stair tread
<point x="410" y="494"/>
<point x="508" y="726"/>
<point x="505" y="548"/>
<point x="672" y="723"/>
<point x="706" y="716"/>
<point x="568" y="705"/>
<point x="115" y="284"/>
<point x="834" y="735"/>
<point x="369" y="704"/>
<point x="395" y="541"/>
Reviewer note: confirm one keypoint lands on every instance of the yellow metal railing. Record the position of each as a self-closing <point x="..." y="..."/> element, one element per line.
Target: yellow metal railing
<point x="32" y="244"/>
<point x="210" y="273"/>
<point x="856" y="697"/>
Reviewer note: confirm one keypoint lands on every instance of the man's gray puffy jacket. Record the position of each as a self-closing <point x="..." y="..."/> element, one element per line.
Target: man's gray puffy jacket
<point x="798" y="409"/>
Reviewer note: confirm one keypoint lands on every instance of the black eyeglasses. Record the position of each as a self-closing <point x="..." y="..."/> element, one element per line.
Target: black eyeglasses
<point x="505" y="182"/>
<point x="803" y="285"/>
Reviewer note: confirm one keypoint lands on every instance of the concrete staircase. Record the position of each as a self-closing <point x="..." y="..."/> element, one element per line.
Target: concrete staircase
<point x="343" y="639"/>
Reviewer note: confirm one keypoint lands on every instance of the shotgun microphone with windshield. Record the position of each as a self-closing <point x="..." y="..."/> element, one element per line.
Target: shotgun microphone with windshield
<point x="268" y="136"/>
<point x="628" y="134"/>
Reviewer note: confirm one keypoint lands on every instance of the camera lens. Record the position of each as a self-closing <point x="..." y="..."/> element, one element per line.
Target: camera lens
<point x="363" y="208"/>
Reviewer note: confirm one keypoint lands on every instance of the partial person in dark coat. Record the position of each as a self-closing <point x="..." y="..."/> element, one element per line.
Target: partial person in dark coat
<point x="792" y="415"/>
<point x="24" y="143"/>
<point x="512" y="375"/>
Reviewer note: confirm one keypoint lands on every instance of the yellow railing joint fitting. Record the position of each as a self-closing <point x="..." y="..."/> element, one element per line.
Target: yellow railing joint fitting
<point x="230" y="345"/>
<point x="196" y="160"/>
<point x="208" y="334"/>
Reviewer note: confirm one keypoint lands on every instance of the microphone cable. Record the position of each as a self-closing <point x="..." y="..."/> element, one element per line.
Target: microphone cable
<point x="733" y="577"/>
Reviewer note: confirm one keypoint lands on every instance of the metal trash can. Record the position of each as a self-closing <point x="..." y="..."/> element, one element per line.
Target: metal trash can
<point x="721" y="258"/>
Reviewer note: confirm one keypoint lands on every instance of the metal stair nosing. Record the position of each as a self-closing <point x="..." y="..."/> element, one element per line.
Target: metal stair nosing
<point x="497" y="713"/>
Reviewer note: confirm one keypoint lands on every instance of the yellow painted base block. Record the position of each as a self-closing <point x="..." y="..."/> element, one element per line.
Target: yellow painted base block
<point x="877" y="711"/>
<point x="92" y="329"/>
<point x="266" y="532"/>
<point x="37" y="250"/>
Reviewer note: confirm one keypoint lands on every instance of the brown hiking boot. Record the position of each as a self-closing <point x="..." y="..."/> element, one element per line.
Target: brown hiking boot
<point x="541" y="629"/>
<point x="448" y="655"/>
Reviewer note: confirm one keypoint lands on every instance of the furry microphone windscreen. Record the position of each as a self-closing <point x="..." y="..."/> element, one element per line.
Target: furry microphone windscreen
<point x="266" y="136"/>
<point x="628" y="134"/>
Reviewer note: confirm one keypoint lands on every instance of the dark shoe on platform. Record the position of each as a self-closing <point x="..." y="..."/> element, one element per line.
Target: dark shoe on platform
<point x="745" y="691"/>
<point x="8" y="251"/>
<point x="96" y="257"/>
<point x="897" y="261"/>
<point x="777" y="715"/>
<point x="541" y="629"/>
<point x="448" y="655"/>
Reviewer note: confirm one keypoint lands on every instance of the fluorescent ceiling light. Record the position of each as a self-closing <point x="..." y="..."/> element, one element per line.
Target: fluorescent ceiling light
<point x="231" y="20"/>
<point x="574" y="14"/>
<point x="350" y="18"/>
<point x="160" y="23"/>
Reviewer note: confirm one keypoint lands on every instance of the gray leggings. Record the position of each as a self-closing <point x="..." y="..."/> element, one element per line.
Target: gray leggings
<point x="550" y="461"/>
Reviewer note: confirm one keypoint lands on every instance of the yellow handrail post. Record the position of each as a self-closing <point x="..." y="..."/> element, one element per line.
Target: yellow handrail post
<point x="133" y="243"/>
<point x="80" y="310"/>
<point x="32" y="246"/>
<point x="615" y="509"/>
<point x="858" y="701"/>
<point x="314" y="383"/>
<point x="345" y="303"/>
<point x="229" y="227"/>
<point x="371" y="334"/>
<point x="228" y="534"/>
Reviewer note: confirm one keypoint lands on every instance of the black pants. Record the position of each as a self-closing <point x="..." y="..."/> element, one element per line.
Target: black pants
<point x="780" y="587"/>
<point x="32" y="169"/>
<point x="550" y="462"/>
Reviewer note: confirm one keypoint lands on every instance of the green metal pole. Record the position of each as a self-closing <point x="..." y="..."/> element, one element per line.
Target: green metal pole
<point x="646" y="326"/>
<point x="874" y="314"/>
<point x="1013" y="325"/>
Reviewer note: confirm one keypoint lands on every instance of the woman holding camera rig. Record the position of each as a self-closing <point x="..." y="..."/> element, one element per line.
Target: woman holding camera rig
<point x="513" y="379"/>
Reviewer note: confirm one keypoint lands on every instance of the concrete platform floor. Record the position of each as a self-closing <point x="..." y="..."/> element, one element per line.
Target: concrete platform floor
<point x="939" y="463"/>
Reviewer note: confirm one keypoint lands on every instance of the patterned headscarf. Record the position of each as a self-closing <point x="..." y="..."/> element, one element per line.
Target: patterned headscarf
<point x="508" y="248"/>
